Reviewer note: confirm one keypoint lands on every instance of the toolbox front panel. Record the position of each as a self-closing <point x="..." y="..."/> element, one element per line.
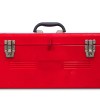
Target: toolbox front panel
<point x="50" y="66"/>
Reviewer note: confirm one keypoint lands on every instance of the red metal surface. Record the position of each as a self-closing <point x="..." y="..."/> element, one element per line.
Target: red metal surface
<point x="50" y="61"/>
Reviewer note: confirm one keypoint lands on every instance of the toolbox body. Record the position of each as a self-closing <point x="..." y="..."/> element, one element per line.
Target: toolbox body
<point x="58" y="60"/>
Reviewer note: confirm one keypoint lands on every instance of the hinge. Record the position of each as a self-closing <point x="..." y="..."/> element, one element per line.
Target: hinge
<point x="9" y="48"/>
<point x="90" y="48"/>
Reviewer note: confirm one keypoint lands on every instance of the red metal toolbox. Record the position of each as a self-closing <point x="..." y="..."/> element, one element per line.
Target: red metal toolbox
<point x="59" y="60"/>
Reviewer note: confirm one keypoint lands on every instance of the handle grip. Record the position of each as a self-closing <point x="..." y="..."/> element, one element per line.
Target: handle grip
<point x="49" y="24"/>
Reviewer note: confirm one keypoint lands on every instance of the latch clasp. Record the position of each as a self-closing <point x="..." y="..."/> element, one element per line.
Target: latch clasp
<point x="90" y="48"/>
<point x="9" y="48"/>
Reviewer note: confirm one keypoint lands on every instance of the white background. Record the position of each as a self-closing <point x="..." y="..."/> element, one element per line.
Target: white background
<point x="76" y="15"/>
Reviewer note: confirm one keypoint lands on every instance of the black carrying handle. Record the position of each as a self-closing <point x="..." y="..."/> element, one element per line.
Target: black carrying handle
<point x="49" y="24"/>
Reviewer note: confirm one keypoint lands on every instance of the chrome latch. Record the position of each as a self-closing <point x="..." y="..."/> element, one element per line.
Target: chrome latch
<point x="9" y="48"/>
<point x="90" y="48"/>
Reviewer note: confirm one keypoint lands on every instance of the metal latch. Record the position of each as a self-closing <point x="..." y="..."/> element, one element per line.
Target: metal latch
<point x="90" y="48"/>
<point x="9" y="48"/>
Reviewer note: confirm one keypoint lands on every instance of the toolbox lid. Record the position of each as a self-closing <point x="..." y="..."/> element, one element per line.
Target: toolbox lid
<point x="45" y="39"/>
